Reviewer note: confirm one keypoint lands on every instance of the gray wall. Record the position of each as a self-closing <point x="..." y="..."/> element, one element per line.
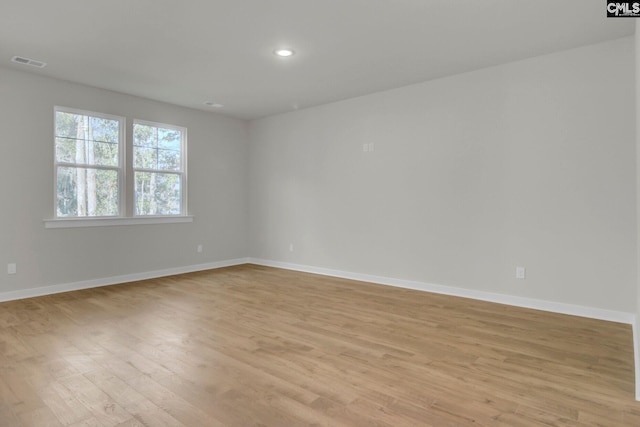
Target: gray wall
<point x="217" y="151"/>
<point x="526" y="164"/>
<point x="530" y="163"/>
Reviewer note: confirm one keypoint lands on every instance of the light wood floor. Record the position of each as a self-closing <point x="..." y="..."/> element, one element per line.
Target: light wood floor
<point x="255" y="346"/>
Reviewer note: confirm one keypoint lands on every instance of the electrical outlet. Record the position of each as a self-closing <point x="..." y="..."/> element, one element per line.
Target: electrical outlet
<point x="11" y="268"/>
<point x="290" y="247"/>
<point x="199" y="248"/>
<point x="520" y="273"/>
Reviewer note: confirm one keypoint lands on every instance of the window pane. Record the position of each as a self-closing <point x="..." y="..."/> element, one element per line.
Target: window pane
<point x="145" y="136"/>
<point x="169" y="160"/>
<point x="157" y="193"/>
<point x="67" y="124"/>
<point x="103" y="153"/>
<point x="87" y="192"/>
<point x="65" y="150"/>
<point x="169" y="139"/>
<point x="145" y="158"/>
<point x="158" y="189"/>
<point x="104" y="130"/>
<point x="87" y="152"/>
<point x="87" y="140"/>
<point x="157" y="148"/>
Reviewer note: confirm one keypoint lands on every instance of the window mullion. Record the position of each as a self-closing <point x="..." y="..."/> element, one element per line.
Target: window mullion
<point x="86" y="166"/>
<point x="157" y="170"/>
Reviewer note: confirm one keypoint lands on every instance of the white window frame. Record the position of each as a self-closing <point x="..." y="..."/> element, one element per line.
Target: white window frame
<point x="126" y="194"/>
<point x="182" y="172"/>
<point x="120" y="168"/>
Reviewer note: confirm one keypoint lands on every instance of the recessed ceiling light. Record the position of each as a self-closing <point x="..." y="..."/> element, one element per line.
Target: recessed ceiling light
<point x="213" y="104"/>
<point x="284" y="52"/>
<point x="28" y="61"/>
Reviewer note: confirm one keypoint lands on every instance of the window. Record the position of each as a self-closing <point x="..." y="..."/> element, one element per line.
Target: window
<point x="158" y="168"/>
<point x="93" y="182"/>
<point x="88" y="164"/>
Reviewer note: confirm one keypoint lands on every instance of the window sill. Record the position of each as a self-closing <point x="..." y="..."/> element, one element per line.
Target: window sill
<point x="108" y="222"/>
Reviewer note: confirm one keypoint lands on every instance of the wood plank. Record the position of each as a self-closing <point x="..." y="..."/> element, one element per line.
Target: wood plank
<point x="252" y="345"/>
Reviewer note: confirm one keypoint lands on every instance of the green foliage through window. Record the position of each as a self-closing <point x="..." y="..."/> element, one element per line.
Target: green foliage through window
<point x="90" y="169"/>
<point x="158" y="169"/>
<point x="87" y="154"/>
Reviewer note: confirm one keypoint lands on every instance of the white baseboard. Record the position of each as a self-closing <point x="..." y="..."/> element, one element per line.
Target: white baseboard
<point x="114" y="280"/>
<point x="555" y="307"/>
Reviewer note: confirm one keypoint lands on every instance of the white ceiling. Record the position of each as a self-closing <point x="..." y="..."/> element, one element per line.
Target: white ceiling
<point x="191" y="51"/>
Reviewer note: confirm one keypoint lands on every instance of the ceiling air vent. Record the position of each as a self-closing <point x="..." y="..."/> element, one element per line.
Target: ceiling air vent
<point x="28" y="61"/>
